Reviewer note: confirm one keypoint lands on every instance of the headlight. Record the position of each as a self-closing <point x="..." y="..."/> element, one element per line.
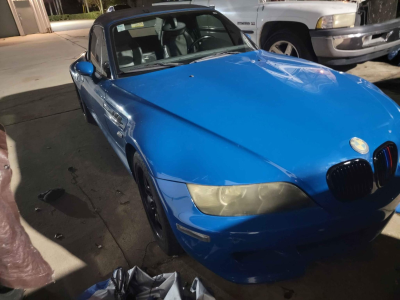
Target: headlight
<point x="336" y="21"/>
<point x="242" y="200"/>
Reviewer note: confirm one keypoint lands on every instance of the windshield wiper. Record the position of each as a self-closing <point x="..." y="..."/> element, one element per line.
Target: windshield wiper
<point x="215" y="55"/>
<point x="167" y="64"/>
<point x="154" y="66"/>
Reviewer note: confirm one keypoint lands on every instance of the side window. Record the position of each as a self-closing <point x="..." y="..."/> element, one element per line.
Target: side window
<point x="104" y="54"/>
<point x="98" y="50"/>
<point x="93" y="42"/>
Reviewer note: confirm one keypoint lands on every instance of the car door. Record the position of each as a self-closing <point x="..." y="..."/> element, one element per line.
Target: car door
<point x="242" y="13"/>
<point x="95" y="85"/>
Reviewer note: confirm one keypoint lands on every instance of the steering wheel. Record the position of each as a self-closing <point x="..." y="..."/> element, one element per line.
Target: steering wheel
<point x="198" y="41"/>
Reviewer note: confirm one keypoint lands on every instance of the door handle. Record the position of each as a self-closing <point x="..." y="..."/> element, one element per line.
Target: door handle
<point x="114" y="116"/>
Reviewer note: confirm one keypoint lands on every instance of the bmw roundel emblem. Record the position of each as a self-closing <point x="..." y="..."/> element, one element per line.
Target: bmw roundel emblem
<point x="359" y="145"/>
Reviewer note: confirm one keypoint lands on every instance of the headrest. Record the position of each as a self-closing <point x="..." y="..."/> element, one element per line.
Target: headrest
<point x="172" y="25"/>
<point x="122" y="38"/>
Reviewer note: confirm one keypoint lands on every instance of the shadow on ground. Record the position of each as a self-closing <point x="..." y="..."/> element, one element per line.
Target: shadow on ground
<point x="102" y="207"/>
<point x="73" y="206"/>
<point x="100" y="217"/>
<point x="390" y="87"/>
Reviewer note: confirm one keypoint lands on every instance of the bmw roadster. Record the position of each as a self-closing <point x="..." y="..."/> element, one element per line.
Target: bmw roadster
<point x="254" y="163"/>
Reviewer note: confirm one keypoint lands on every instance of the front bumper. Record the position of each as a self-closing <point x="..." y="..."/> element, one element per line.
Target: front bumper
<point x="353" y="45"/>
<point x="266" y="248"/>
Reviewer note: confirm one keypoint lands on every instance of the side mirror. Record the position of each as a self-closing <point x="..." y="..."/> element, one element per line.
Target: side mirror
<point x="84" y="68"/>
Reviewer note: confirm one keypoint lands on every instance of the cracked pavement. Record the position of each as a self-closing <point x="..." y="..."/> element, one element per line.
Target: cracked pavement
<point x="47" y="135"/>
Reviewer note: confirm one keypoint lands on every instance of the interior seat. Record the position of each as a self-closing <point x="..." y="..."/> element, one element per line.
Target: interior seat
<point x="127" y="49"/>
<point x="175" y="37"/>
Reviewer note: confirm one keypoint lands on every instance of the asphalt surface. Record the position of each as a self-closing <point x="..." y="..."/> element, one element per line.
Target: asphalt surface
<point x="47" y="135"/>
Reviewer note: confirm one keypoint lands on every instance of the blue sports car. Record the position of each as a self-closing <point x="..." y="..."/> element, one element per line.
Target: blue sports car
<point x="253" y="163"/>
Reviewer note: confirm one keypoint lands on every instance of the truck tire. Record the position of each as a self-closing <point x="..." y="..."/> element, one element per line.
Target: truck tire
<point x="288" y="43"/>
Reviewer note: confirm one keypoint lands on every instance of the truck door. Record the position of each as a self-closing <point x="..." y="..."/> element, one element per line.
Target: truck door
<point x="201" y="2"/>
<point x="241" y="12"/>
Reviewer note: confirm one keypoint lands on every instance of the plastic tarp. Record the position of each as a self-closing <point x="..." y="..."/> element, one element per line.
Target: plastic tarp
<point x="21" y="265"/>
<point x="136" y="284"/>
<point x="394" y="57"/>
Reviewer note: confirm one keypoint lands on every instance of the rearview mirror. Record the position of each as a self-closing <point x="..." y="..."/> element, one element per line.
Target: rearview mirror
<point x="84" y="68"/>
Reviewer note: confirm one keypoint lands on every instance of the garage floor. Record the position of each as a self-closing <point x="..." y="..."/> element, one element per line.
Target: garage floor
<point x="50" y="145"/>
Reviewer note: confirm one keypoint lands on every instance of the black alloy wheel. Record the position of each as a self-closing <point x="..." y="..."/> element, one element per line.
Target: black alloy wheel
<point x="154" y="209"/>
<point x="150" y="205"/>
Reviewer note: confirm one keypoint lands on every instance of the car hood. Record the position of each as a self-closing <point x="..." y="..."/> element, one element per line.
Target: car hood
<point x="296" y="115"/>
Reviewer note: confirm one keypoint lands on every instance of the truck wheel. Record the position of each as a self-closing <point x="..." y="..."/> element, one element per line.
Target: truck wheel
<point x="288" y="43"/>
<point x="156" y="216"/>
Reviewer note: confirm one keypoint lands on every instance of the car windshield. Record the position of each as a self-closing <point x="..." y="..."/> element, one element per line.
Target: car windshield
<point x="163" y="41"/>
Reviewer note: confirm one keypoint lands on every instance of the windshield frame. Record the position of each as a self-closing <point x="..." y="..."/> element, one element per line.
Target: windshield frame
<point x="226" y="22"/>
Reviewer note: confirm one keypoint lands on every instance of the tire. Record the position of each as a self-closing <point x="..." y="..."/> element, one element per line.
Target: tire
<point x="302" y="46"/>
<point x="154" y="209"/>
<point x="86" y="113"/>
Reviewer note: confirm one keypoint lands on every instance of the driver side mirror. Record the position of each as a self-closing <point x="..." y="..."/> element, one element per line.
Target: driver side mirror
<point x="84" y="68"/>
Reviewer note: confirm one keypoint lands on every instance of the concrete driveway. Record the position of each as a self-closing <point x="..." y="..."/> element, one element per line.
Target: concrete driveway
<point x="71" y="25"/>
<point x="101" y="216"/>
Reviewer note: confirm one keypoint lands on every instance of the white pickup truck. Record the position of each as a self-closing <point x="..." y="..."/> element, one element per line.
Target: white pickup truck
<point x="330" y="32"/>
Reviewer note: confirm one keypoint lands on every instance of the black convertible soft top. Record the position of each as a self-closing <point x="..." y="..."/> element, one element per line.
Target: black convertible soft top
<point x="108" y="18"/>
